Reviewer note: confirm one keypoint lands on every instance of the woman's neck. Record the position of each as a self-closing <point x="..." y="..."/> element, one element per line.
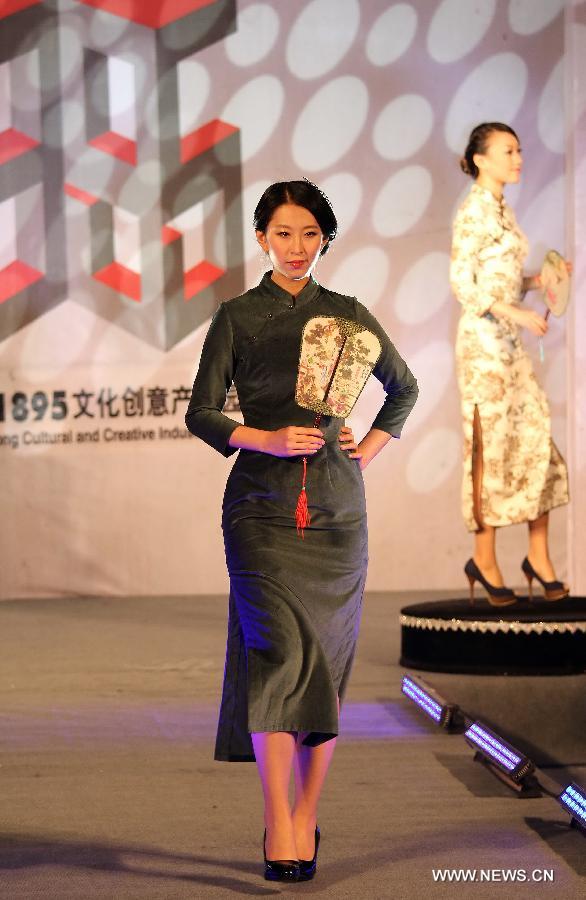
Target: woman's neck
<point x="290" y="285"/>
<point x="490" y="184"/>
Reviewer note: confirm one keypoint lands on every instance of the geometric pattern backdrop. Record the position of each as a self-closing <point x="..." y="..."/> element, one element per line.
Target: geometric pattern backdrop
<point x="148" y="204"/>
<point x="132" y="157"/>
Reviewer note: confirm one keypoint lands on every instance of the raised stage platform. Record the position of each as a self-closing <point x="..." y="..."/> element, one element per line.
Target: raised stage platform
<point x="538" y="638"/>
<point x="109" y="788"/>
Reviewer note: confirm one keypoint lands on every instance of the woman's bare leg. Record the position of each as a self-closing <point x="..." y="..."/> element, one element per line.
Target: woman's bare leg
<point x="485" y="555"/>
<point x="485" y="537"/>
<point x="311" y="766"/>
<point x="539" y="548"/>
<point x="274" y="752"/>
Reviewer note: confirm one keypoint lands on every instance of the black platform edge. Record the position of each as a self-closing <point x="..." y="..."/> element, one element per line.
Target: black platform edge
<point x="538" y="638"/>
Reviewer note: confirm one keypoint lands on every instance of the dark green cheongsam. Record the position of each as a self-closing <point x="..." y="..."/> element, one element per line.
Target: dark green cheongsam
<point x="294" y="604"/>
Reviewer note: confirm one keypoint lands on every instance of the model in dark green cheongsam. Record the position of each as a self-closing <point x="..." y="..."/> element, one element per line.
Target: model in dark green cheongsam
<point x="294" y="603"/>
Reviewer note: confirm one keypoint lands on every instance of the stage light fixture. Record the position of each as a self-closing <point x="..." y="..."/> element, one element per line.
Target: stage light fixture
<point x="573" y="799"/>
<point x="511" y="766"/>
<point x="445" y="714"/>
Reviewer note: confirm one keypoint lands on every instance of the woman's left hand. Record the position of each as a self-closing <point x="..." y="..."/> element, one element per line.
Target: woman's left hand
<point x="348" y="443"/>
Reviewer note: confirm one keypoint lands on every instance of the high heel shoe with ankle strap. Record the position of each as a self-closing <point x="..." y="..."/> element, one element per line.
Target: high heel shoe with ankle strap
<point x="279" y="869"/>
<point x="308" y="867"/>
<point x="497" y="596"/>
<point x="552" y="590"/>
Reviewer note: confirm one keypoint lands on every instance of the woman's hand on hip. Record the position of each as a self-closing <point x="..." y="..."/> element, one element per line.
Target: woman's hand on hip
<point x="348" y="443"/>
<point x="293" y="441"/>
<point x="371" y="444"/>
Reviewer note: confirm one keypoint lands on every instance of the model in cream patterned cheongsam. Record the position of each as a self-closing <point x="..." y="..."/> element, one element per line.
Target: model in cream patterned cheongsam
<point x="524" y="474"/>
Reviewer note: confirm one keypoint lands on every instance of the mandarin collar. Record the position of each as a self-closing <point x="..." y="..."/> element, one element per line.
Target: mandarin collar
<point x="272" y="289"/>
<point x="487" y="194"/>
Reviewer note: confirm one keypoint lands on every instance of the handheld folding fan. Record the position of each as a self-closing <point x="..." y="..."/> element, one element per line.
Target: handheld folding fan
<point x="337" y="356"/>
<point x="555" y="287"/>
<point x="555" y="283"/>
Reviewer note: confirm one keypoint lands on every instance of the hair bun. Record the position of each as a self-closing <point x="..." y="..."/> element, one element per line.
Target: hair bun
<point x="478" y="142"/>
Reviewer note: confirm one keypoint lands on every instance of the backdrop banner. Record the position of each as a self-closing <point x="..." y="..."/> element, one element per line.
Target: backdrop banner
<point x="135" y="141"/>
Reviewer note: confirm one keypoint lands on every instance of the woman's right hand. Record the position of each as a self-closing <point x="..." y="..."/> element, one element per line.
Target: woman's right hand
<point x="528" y="318"/>
<point x="293" y="441"/>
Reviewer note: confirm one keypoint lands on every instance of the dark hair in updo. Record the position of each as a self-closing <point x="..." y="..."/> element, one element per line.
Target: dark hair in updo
<point x="478" y="142"/>
<point x="302" y="193"/>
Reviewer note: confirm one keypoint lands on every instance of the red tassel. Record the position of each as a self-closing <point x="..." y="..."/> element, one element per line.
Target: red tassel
<point x="302" y="516"/>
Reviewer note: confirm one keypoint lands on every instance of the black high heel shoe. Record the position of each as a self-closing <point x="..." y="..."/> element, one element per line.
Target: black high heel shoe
<point x="279" y="869"/>
<point x="308" y="867"/>
<point x="552" y="590"/>
<point x="497" y="596"/>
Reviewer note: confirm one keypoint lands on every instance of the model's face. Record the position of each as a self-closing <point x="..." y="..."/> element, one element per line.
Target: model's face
<point x="293" y="241"/>
<point x="502" y="161"/>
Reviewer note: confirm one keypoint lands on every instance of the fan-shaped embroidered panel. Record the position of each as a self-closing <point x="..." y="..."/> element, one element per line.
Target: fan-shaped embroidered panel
<point x="337" y="356"/>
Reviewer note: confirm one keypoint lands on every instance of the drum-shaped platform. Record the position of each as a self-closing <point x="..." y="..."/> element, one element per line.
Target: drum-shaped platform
<point x="539" y="638"/>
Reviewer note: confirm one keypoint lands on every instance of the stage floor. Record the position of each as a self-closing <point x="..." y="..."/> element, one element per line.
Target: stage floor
<point x="109" y="789"/>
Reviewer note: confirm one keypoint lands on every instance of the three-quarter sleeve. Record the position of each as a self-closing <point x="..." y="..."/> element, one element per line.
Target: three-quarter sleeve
<point x="204" y="416"/>
<point x="469" y="237"/>
<point x="398" y="381"/>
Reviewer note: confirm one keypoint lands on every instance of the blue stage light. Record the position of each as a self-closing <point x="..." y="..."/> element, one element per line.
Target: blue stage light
<point x="510" y="765"/>
<point x="427" y="698"/>
<point x="494" y="747"/>
<point x="573" y="799"/>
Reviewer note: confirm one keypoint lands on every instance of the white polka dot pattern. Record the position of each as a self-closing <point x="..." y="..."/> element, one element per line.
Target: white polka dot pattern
<point x="402" y="201"/>
<point x="457" y="27"/>
<point x="528" y="17"/>
<point x="345" y="192"/>
<point x="493" y="91"/>
<point x="391" y="34"/>
<point x="330" y="123"/>
<point x="255" y="36"/>
<point x="322" y="36"/>
<point x="363" y="274"/>
<point x="403" y="127"/>
<point x="256" y="109"/>
<point x="424" y="288"/>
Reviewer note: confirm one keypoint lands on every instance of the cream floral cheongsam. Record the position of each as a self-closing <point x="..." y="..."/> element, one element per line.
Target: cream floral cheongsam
<point x="524" y="474"/>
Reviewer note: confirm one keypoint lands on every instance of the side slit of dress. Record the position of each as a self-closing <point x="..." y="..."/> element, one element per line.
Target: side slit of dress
<point x="477" y="469"/>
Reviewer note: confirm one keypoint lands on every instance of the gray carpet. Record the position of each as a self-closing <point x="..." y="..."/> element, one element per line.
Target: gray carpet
<point x="109" y="790"/>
